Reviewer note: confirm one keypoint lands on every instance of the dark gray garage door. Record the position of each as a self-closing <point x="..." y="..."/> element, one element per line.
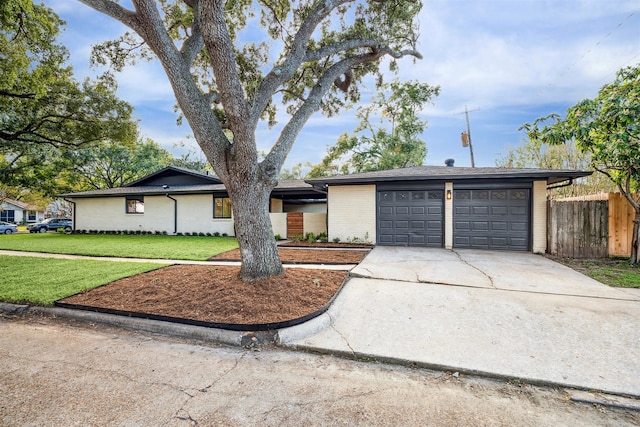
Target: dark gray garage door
<point x="410" y="218"/>
<point x="491" y="219"/>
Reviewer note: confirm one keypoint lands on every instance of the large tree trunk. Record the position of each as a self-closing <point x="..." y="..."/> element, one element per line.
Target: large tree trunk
<point x="635" y="240"/>
<point x="254" y="231"/>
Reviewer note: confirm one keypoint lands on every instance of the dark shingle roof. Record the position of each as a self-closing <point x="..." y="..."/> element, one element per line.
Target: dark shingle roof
<point x="449" y="173"/>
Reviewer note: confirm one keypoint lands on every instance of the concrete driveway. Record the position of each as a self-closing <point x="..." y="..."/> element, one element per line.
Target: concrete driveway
<point x="504" y="314"/>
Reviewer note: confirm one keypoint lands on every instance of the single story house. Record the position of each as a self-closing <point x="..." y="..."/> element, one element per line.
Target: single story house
<point x="17" y="212"/>
<point x="433" y="206"/>
<point x="177" y="200"/>
<point x="444" y="206"/>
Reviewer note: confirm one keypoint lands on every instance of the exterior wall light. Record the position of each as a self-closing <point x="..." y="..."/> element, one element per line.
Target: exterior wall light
<point x="449" y="195"/>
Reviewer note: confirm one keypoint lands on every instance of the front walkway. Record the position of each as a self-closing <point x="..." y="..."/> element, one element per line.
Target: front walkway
<point x="339" y="267"/>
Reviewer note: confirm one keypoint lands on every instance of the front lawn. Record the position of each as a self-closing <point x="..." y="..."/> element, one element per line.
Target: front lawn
<point x="610" y="271"/>
<point x="42" y="281"/>
<point x="129" y="246"/>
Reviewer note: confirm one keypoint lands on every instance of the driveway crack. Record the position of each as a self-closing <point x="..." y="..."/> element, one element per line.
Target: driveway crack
<point x="331" y="323"/>
<point x="475" y="268"/>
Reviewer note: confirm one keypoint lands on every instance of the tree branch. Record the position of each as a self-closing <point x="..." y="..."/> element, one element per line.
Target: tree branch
<point x="17" y="95"/>
<point x="281" y="73"/>
<point x="193" y="45"/>
<point x="113" y="10"/>
<point x="274" y="160"/>
<point x="223" y="62"/>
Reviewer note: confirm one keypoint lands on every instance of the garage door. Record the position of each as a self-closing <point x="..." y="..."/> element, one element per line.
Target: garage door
<point x="491" y="219"/>
<point x="410" y="217"/>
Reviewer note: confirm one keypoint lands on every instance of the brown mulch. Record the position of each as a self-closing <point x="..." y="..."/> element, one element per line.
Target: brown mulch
<point x="304" y="243"/>
<point x="305" y="256"/>
<point x="216" y="294"/>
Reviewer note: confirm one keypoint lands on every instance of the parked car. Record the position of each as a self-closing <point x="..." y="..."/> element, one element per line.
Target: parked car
<point x="7" y="228"/>
<point x="50" y="224"/>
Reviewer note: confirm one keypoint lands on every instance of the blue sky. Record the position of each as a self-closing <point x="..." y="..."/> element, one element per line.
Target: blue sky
<point x="508" y="61"/>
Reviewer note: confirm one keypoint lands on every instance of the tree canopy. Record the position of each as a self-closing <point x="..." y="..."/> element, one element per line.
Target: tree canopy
<point x="43" y="110"/>
<point x="608" y="128"/>
<point x="232" y="63"/>
<point x="115" y="164"/>
<point x="536" y="154"/>
<point x="390" y="142"/>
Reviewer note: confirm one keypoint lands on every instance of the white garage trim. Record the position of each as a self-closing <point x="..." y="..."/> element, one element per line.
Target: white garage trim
<point x="539" y="220"/>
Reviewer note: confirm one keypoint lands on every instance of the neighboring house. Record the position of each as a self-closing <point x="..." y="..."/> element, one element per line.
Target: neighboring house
<point x="18" y="212"/>
<point x="176" y="200"/>
<point x="444" y="206"/>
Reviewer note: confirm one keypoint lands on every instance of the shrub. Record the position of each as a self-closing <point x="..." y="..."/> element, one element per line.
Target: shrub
<point x="336" y="240"/>
<point x="277" y="237"/>
<point x="216" y="234"/>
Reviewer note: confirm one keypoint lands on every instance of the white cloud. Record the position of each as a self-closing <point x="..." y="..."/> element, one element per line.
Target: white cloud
<point x="512" y="61"/>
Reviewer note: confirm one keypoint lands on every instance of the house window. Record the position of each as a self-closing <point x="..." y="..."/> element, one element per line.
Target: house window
<point x="8" y="216"/>
<point x="32" y="216"/>
<point x="221" y="207"/>
<point x="135" y="204"/>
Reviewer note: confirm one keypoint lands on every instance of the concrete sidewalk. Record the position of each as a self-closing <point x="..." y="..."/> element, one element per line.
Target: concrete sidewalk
<point x="340" y="267"/>
<point x="491" y="313"/>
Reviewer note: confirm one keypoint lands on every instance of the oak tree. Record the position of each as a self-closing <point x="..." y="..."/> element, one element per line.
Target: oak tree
<point x="230" y="63"/>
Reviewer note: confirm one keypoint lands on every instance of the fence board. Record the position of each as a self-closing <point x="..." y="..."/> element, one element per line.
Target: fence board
<point x="579" y="229"/>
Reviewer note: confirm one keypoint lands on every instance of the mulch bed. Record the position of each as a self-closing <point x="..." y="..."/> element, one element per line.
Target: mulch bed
<point x="216" y="294"/>
<point x="304" y="243"/>
<point x="305" y="256"/>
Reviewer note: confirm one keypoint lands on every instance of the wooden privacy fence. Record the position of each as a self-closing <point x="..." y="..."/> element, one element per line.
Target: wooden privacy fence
<point x="595" y="226"/>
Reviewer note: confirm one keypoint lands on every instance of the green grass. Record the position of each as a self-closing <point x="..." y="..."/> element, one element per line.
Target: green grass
<point x="610" y="271"/>
<point x="128" y="246"/>
<point x="42" y="281"/>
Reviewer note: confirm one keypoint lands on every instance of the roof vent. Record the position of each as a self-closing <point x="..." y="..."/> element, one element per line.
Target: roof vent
<point x="449" y="162"/>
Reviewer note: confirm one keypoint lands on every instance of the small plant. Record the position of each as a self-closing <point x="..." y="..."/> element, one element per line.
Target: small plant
<point x="322" y="237"/>
<point x="216" y="234"/>
<point x="225" y="235"/>
<point x="178" y="234"/>
<point x="187" y="234"/>
<point x="310" y="237"/>
<point x="201" y="234"/>
<point x="336" y="240"/>
<point x="297" y="237"/>
<point x="277" y="237"/>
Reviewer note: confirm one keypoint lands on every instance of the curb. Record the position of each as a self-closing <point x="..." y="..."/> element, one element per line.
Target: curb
<point x="576" y="393"/>
<point x="234" y="338"/>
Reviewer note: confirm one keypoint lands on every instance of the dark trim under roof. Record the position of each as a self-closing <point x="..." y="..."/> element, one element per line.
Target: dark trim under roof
<point x="448" y="173"/>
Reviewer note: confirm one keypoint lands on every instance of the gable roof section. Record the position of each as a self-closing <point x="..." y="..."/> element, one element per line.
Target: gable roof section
<point x="448" y="173"/>
<point x="173" y="175"/>
<point x="22" y="205"/>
